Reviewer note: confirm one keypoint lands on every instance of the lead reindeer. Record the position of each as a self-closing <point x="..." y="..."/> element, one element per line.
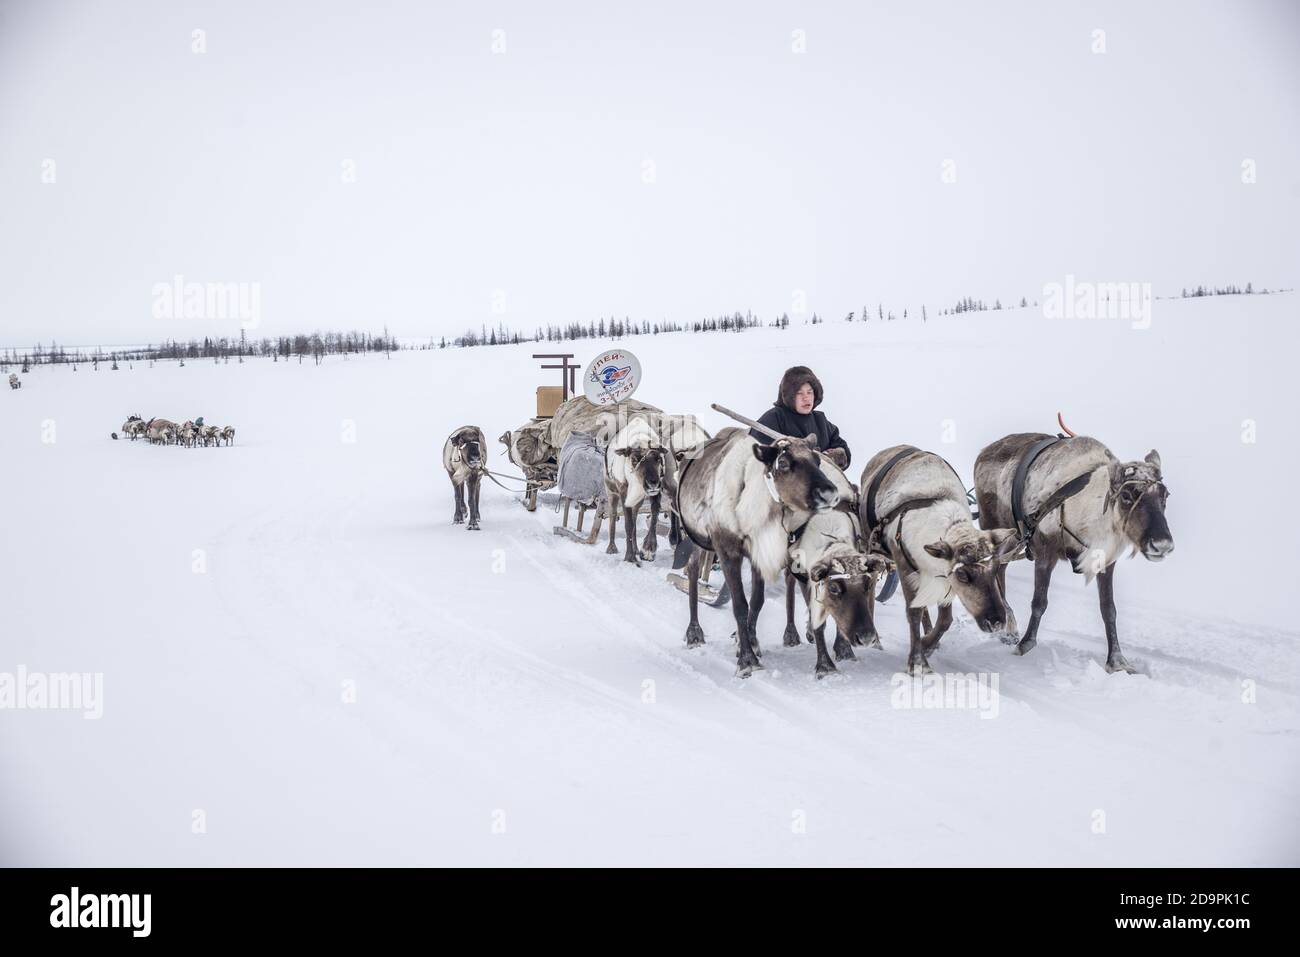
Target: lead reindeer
<point x="462" y="457"/>
<point x="1072" y="499"/>
<point x="741" y="499"/>
<point x="634" y="473"/>
<point x="829" y="564"/>
<point x="915" y="508"/>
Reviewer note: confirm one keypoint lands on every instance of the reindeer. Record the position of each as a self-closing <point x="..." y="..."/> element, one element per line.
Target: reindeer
<point x="741" y="499"/>
<point x="208" y="435"/>
<point x="915" y="510"/>
<point x="462" y="457"/>
<point x="14" y="381"/>
<point x="228" y="435"/>
<point x="1071" y="498"/>
<point x="838" y="581"/>
<point x="188" y="433"/>
<point x="634" y="472"/>
<point x="680" y="435"/>
<point x="161" y="431"/>
<point x="133" y="427"/>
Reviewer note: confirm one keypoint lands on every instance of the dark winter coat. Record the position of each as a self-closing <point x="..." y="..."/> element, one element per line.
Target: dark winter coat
<point x="784" y="419"/>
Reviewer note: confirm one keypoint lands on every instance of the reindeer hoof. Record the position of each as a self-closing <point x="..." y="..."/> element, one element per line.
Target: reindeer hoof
<point x="1120" y="663"/>
<point x="472" y="527"/>
<point x="747" y="666"/>
<point x="694" y="636"/>
<point x="791" y="637"/>
<point x="919" y="667"/>
<point x="843" y="650"/>
<point x="826" y="667"/>
<point x="873" y="641"/>
<point x="856" y="640"/>
<point x="648" y="556"/>
<point x="1026" y="645"/>
<point x="457" y="520"/>
<point x="809" y="637"/>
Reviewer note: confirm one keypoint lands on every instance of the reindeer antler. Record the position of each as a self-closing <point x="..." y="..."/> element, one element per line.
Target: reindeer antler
<point x="1064" y="427"/>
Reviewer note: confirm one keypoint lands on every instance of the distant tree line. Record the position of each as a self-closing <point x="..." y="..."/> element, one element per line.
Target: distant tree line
<point x="1228" y="290"/>
<point x="317" y="345"/>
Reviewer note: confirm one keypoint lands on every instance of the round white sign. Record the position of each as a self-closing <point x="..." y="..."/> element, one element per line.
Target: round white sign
<point x="611" y="377"/>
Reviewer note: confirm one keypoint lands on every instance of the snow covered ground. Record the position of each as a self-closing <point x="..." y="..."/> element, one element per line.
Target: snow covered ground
<point x="520" y="699"/>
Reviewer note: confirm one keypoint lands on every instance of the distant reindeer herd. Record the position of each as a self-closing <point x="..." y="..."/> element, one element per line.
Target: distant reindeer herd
<point x="186" y="434"/>
<point x="788" y="508"/>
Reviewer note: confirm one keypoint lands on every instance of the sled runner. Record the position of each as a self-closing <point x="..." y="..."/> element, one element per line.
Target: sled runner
<point x="714" y="597"/>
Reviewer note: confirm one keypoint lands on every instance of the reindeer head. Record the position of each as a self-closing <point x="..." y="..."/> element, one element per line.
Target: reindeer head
<point x="471" y="451"/>
<point x="647" y="463"/>
<point x="973" y="562"/>
<point x="842" y="579"/>
<point x="795" y="476"/>
<point x="1137" y="497"/>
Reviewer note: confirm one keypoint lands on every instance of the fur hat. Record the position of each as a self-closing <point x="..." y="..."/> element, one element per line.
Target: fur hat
<point x="793" y="381"/>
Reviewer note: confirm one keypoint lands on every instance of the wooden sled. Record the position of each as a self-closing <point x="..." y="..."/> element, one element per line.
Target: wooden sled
<point x="711" y="596"/>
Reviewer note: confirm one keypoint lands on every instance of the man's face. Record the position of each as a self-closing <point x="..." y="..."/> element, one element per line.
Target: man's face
<point x="803" y="399"/>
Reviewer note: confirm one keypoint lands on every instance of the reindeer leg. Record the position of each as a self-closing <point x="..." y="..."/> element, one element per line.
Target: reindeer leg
<point x="1115" y="660"/>
<point x="916" y="663"/>
<point x="926" y="624"/>
<point x="806" y="587"/>
<point x="460" y="503"/>
<point x="870" y="638"/>
<point x="942" y="623"/>
<point x="1009" y="635"/>
<point x="791" y="637"/>
<point x="474" y="484"/>
<point x="629" y="529"/>
<point x="564" y="516"/>
<point x="651" y="543"/>
<point x="595" y="525"/>
<point x="843" y="648"/>
<point x="746" y="660"/>
<point x="757" y="595"/>
<point x="674" y="528"/>
<point x="694" y="633"/>
<point x="1044" y="563"/>
<point x="613" y="523"/>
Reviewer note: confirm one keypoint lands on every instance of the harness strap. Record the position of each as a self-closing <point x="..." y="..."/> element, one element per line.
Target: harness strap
<point x="699" y="540"/>
<point x="900" y="513"/>
<point x="1023" y="527"/>
<point x="873" y="521"/>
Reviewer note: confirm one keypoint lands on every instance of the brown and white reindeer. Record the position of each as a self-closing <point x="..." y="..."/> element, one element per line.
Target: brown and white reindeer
<point x="914" y="507"/>
<point x="1071" y="498"/>
<point x="828" y="562"/>
<point x="133" y="427"/>
<point x="741" y="499"/>
<point x="188" y="434"/>
<point x="462" y="457"/>
<point x="680" y="434"/>
<point x="228" y="435"/>
<point x="161" y="431"/>
<point x="635" y="465"/>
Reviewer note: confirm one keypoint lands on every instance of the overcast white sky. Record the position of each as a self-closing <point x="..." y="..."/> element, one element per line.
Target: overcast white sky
<point x="524" y="171"/>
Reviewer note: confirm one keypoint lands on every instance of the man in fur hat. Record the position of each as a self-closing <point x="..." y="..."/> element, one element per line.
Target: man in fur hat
<point x="794" y="413"/>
